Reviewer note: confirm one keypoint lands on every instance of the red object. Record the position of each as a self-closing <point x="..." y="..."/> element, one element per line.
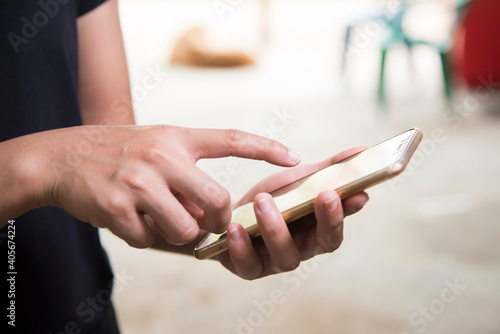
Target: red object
<point x="476" y="52"/>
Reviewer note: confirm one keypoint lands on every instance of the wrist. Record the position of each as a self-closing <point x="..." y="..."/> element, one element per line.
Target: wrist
<point x="26" y="177"/>
<point x="31" y="175"/>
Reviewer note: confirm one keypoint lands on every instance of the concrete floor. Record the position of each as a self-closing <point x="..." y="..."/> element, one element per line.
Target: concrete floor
<point x="422" y="257"/>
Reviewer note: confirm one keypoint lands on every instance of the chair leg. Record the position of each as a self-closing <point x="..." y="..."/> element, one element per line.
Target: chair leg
<point x="381" y="82"/>
<point x="411" y="64"/>
<point x="346" y="47"/>
<point x="446" y="75"/>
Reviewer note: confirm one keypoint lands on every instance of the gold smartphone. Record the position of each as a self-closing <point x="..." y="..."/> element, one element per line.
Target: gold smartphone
<point x="349" y="176"/>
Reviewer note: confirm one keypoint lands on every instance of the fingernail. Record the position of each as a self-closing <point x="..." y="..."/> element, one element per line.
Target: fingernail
<point x="332" y="203"/>
<point x="264" y="205"/>
<point x="293" y="156"/>
<point x="235" y="234"/>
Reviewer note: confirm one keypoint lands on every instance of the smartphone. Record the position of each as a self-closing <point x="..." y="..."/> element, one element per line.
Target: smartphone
<point x="349" y="176"/>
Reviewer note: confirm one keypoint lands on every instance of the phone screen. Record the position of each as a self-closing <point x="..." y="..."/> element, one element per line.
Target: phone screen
<point x="366" y="168"/>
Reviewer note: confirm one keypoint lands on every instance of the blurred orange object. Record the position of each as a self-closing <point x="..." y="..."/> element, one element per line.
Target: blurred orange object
<point x="193" y="48"/>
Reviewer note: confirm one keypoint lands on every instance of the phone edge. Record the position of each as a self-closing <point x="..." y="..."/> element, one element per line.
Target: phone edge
<point x="308" y="207"/>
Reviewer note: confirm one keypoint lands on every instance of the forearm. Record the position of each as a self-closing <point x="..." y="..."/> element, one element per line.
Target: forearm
<point x="119" y="112"/>
<point x="104" y="89"/>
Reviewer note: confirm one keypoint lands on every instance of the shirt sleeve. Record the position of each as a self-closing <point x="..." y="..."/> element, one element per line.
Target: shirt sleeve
<point x="85" y="6"/>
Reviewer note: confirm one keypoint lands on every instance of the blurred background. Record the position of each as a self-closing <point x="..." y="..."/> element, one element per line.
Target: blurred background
<point x="424" y="255"/>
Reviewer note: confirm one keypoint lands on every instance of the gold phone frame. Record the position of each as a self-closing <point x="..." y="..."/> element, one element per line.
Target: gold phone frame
<point x="345" y="191"/>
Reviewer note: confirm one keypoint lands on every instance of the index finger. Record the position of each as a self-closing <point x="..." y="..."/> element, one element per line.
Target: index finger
<point x="216" y="143"/>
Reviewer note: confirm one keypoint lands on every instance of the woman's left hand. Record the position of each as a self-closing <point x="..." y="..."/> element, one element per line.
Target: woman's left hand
<point x="282" y="248"/>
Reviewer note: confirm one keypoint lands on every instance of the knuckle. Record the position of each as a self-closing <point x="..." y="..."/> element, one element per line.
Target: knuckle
<point x="134" y="233"/>
<point x="188" y="231"/>
<point x="337" y="244"/>
<point x="135" y="180"/>
<point x="273" y="145"/>
<point x="232" y="137"/>
<point x="337" y="226"/>
<point x="161" y="130"/>
<point x="246" y="269"/>
<point x="117" y="204"/>
<point x="141" y="242"/>
<point x="122" y="219"/>
<point x="275" y="233"/>
<point x="331" y="244"/>
<point x="288" y="265"/>
<point x="250" y="276"/>
<point x="154" y="153"/>
<point x="255" y="273"/>
<point x="220" y="199"/>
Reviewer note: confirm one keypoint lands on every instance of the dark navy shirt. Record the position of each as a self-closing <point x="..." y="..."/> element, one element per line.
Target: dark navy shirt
<point x="63" y="279"/>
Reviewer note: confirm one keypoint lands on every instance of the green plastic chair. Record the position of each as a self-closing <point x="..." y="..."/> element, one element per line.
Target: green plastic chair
<point x="394" y="34"/>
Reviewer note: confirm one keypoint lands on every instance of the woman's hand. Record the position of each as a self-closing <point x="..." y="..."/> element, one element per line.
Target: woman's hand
<point x="114" y="176"/>
<point x="282" y="249"/>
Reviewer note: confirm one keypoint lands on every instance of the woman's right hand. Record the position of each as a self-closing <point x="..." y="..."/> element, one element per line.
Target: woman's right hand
<point x="112" y="176"/>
